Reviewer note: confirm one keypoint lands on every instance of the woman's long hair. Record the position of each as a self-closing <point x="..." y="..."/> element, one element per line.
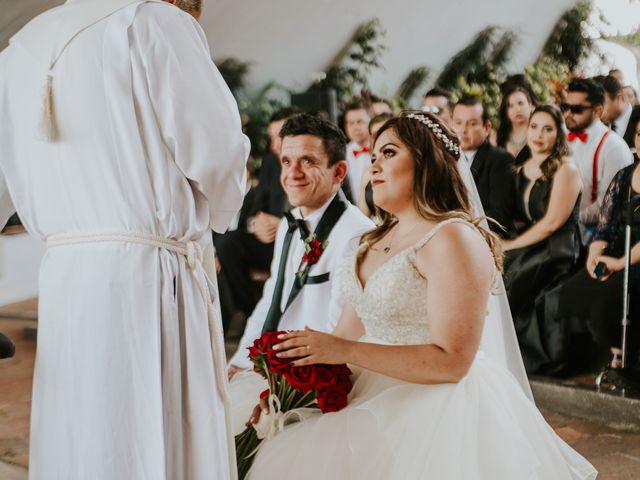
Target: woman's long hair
<point x="505" y="127"/>
<point x="560" y="148"/>
<point x="439" y="192"/>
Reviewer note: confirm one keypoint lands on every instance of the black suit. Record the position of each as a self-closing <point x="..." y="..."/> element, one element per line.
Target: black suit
<point x="493" y="170"/>
<point x="630" y="133"/>
<point x="240" y="251"/>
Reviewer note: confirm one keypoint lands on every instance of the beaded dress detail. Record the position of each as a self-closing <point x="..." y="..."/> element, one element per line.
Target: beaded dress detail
<point x="393" y="305"/>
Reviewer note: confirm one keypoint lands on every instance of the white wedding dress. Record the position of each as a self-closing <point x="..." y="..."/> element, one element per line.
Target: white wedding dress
<point x="483" y="427"/>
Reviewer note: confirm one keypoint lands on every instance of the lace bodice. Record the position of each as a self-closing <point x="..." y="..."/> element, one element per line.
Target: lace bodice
<point x="393" y="303"/>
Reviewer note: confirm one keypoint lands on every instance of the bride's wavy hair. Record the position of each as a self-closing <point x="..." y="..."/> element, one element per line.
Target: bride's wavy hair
<point x="439" y="192"/>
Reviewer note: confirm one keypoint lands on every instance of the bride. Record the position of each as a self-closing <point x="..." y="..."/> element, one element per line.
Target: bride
<point x="433" y="396"/>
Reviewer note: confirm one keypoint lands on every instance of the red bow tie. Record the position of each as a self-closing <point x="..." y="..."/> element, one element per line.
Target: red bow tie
<point x="357" y="152"/>
<point x="582" y="135"/>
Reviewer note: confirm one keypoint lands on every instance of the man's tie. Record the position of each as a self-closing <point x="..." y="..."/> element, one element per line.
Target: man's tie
<point x="581" y="135"/>
<point x="275" y="312"/>
<point x="358" y="151"/>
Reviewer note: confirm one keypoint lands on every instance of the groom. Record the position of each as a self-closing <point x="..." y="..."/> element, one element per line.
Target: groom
<point x="298" y="293"/>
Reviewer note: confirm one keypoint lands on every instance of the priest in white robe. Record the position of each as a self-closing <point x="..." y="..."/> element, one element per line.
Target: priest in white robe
<point x="132" y="155"/>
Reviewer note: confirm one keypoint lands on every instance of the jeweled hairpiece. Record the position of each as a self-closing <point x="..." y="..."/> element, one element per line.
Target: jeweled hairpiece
<point x="437" y="131"/>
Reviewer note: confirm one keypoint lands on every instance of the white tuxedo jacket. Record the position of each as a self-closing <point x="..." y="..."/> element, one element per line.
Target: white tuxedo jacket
<point x="319" y="303"/>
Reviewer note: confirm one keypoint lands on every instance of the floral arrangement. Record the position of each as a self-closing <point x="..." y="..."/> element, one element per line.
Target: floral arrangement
<point x="292" y="391"/>
<point x="313" y="250"/>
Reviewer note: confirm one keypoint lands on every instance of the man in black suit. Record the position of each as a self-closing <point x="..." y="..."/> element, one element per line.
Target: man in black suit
<point x="250" y="246"/>
<point x="617" y="110"/>
<point x="493" y="168"/>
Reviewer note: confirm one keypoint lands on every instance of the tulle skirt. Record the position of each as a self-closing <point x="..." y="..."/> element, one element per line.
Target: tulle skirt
<point x="483" y="427"/>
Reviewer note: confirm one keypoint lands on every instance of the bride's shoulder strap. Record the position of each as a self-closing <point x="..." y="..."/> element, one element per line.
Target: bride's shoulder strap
<point x="429" y="235"/>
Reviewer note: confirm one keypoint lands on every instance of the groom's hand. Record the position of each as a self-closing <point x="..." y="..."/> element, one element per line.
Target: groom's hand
<point x="262" y="407"/>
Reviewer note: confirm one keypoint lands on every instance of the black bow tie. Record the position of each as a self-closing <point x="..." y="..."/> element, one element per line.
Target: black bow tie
<point x="297" y="223"/>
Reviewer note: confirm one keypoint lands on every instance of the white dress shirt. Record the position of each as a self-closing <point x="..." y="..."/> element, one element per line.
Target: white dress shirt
<point x="614" y="155"/>
<point x="470" y="155"/>
<point x="319" y="305"/>
<point x="358" y="165"/>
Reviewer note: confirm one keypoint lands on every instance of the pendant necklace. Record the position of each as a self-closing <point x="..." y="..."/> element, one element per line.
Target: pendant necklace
<point x="387" y="249"/>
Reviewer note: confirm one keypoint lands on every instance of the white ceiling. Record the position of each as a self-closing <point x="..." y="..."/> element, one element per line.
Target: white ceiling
<point x="289" y="40"/>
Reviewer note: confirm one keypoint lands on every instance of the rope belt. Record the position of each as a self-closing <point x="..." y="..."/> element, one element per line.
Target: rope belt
<point x="193" y="255"/>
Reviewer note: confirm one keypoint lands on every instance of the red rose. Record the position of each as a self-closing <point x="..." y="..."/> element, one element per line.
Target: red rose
<point x="325" y="376"/>
<point x="265" y="393"/>
<point x="277" y="365"/>
<point x="341" y="369"/>
<point x="261" y="344"/>
<point x="265" y="341"/>
<point x="302" y="378"/>
<point x="254" y="352"/>
<point x="332" y="399"/>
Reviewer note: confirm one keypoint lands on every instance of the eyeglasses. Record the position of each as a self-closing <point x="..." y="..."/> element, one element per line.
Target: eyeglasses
<point x="577" y="109"/>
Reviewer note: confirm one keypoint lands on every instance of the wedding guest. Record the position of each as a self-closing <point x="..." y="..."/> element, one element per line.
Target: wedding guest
<point x="438" y="101"/>
<point x="313" y="168"/>
<point x="380" y="105"/>
<point x="492" y="167"/>
<point x="597" y="153"/>
<point x="250" y="246"/>
<point x="616" y="111"/>
<point x="356" y="126"/>
<point x="617" y="74"/>
<point x="594" y="294"/>
<point x="631" y="95"/>
<point x="542" y="256"/>
<point x="427" y="401"/>
<point x="514" y="112"/>
<point x="365" y="204"/>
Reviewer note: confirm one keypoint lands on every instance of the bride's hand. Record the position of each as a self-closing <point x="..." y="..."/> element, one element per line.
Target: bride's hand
<point x="310" y="347"/>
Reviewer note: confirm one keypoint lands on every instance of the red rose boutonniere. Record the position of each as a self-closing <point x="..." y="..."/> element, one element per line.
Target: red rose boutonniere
<point x="313" y="250"/>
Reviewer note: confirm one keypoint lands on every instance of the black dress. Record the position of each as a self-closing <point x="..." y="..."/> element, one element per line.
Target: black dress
<point x="596" y="306"/>
<point x="533" y="276"/>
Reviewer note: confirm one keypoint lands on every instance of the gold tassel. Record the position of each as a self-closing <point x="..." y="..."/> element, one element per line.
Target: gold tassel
<point x="48" y="128"/>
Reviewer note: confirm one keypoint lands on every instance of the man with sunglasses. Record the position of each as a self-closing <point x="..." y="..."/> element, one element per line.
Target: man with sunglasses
<point x="597" y="152"/>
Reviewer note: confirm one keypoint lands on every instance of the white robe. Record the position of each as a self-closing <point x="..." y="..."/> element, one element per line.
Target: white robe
<point x="150" y="142"/>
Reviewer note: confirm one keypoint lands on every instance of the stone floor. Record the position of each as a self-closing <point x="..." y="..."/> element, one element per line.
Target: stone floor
<point x="615" y="453"/>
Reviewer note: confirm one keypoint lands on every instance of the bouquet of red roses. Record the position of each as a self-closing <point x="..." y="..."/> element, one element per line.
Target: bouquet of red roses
<point x="290" y="388"/>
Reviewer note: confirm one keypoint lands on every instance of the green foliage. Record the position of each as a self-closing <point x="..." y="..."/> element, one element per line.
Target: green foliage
<point x="569" y="43"/>
<point x="255" y="108"/>
<point x="234" y="73"/>
<point x="548" y="78"/>
<point x="632" y="39"/>
<point x="258" y="109"/>
<point x="487" y="92"/>
<point x="350" y="72"/>
<point x="411" y="84"/>
<point x="480" y="62"/>
<point x="478" y="69"/>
